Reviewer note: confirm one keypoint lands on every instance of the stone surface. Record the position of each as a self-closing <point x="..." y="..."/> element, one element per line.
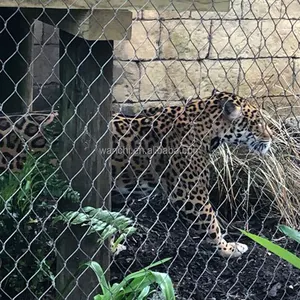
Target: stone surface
<point x="262" y="9"/>
<point x="231" y="39"/>
<point x="126" y="81"/>
<point x="175" y="60"/>
<point x="290" y="8"/>
<point x="135" y="108"/>
<point x="296" y="82"/>
<point x="281" y="107"/>
<point x="165" y="15"/>
<point x="265" y="77"/>
<point x="281" y="38"/>
<point x="222" y="75"/>
<point x="184" y="39"/>
<point x="234" y="12"/>
<point x="136" y="14"/>
<point x="169" y="80"/>
<point x="143" y="43"/>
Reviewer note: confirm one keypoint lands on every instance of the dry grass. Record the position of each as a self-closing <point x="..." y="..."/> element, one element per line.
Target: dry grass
<point x="272" y="181"/>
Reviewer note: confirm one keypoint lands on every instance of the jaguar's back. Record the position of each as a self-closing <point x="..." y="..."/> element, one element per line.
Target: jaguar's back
<point x="143" y="144"/>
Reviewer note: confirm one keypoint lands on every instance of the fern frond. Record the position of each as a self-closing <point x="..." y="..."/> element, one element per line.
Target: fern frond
<point x="103" y="222"/>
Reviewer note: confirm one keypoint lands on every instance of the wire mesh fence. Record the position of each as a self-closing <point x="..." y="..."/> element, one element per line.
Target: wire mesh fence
<point x="148" y="148"/>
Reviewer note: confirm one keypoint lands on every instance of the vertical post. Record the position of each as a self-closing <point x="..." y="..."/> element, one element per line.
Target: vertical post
<point x="85" y="110"/>
<point x="15" y="59"/>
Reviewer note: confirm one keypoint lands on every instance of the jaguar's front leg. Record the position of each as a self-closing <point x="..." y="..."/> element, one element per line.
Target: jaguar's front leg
<point x="205" y="219"/>
<point x="189" y="192"/>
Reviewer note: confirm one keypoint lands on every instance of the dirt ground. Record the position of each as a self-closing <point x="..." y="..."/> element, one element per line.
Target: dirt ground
<point x="199" y="273"/>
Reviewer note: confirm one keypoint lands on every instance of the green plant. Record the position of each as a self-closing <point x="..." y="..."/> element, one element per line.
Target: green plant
<point x="104" y="222"/>
<point x="138" y="285"/>
<point x="39" y="179"/>
<point x="109" y="224"/>
<point x="290" y="232"/>
<point x="276" y="249"/>
<point x="27" y="203"/>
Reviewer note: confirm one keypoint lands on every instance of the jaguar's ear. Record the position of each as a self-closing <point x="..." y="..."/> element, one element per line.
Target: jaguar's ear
<point x="215" y="92"/>
<point x="230" y="110"/>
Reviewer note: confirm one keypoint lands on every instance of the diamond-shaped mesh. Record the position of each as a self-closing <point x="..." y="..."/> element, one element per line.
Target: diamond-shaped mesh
<point x="64" y="98"/>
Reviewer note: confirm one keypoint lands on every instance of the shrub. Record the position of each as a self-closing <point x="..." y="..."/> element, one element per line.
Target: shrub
<point x="27" y="204"/>
<point x="138" y="285"/>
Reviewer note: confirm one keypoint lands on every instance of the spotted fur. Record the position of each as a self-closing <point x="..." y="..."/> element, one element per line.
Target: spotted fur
<point x="169" y="148"/>
<point x="19" y="134"/>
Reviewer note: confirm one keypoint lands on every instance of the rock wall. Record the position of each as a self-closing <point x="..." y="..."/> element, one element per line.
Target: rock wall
<point x="252" y="50"/>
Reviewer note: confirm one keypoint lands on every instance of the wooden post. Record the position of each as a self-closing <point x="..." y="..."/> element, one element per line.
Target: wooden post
<point x="15" y="60"/>
<point x="85" y="110"/>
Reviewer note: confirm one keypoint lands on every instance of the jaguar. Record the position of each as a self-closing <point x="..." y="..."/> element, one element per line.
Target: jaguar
<point x="169" y="148"/>
<point x="166" y="148"/>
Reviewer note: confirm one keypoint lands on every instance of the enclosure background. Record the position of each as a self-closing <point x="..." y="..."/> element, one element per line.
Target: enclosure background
<point x="253" y="49"/>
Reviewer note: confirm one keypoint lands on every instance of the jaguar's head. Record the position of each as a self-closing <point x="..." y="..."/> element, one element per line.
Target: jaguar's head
<point x="241" y="122"/>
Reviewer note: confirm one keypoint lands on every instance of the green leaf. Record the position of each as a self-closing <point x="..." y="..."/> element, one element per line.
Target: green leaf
<point x="107" y="232"/>
<point x="145" y="277"/>
<point x="138" y="283"/>
<point x="96" y="227"/>
<point x="148" y="278"/>
<point x="138" y="278"/>
<point x="144" y="293"/>
<point x="281" y="252"/>
<point x="158" y="263"/>
<point x="87" y="209"/>
<point x="105" y="286"/>
<point x="165" y="283"/>
<point x="101" y="221"/>
<point x="290" y="232"/>
<point x="80" y="218"/>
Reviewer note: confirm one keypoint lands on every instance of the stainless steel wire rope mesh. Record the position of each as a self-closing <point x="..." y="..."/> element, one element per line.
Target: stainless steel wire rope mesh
<point x="173" y="57"/>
